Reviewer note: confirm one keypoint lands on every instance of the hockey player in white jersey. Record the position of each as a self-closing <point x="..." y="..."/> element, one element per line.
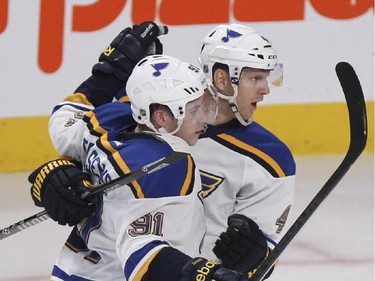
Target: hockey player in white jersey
<point x="150" y="228"/>
<point x="247" y="173"/>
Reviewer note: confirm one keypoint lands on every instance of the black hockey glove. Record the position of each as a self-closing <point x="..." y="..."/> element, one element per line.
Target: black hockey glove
<point x="128" y="48"/>
<point x="57" y="186"/>
<point x="202" y="269"/>
<point x="242" y="247"/>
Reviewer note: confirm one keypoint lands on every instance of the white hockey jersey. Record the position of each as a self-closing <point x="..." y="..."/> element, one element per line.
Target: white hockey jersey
<point x="248" y="171"/>
<point x="133" y="223"/>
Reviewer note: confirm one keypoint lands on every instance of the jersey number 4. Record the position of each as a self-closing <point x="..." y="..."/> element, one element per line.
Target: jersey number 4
<point x="281" y="221"/>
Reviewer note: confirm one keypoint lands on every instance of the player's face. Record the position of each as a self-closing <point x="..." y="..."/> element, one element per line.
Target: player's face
<point x="252" y="86"/>
<point x="198" y="113"/>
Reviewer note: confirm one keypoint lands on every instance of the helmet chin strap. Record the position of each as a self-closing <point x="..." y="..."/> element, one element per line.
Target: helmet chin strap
<point x="162" y="130"/>
<point x="232" y="100"/>
<point x="234" y="107"/>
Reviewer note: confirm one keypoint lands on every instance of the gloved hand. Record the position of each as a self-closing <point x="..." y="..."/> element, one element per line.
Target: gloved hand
<point x="242" y="247"/>
<point x="128" y="48"/>
<point x="202" y="269"/>
<point x="57" y="186"/>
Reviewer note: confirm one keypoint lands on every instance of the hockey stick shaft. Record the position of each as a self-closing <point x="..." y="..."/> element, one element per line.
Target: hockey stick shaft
<point x="358" y="137"/>
<point x="112" y="185"/>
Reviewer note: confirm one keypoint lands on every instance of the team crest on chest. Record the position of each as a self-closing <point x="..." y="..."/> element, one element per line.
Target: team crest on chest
<point x="210" y="183"/>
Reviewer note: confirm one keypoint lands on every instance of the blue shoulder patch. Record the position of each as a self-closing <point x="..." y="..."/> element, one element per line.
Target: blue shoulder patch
<point x="114" y="116"/>
<point x="176" y="179"/>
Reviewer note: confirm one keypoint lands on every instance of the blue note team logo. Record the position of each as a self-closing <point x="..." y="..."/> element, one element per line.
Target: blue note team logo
<point x="158" y="67"/>
<point x="230" y="34"/>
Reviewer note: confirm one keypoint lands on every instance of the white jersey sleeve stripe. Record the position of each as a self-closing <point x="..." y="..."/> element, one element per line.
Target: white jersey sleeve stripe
<point x="266" y="158"/>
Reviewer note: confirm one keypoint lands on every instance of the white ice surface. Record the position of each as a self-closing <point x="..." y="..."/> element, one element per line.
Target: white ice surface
<point x="336" y="244"/>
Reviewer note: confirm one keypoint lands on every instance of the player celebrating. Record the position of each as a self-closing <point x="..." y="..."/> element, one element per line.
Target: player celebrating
<point x="147" y="229"/>
<point x="247" y="173"/>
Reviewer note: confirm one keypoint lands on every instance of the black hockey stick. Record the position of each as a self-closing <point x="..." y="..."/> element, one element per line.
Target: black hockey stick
<point x="358" y="138"/>
<point x="112" y="185"/>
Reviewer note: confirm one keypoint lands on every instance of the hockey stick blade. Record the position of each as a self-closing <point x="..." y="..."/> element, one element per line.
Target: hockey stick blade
<point x="358" y="137"/>
<point x="112" y="185"/>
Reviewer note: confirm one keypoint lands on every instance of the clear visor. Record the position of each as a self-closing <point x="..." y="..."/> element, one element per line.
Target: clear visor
<point x="275" y="78"/>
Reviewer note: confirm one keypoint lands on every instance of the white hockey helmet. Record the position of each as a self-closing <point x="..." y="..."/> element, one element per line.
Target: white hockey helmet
<point x="164" y="80"/>
<point x="238" y="46"/>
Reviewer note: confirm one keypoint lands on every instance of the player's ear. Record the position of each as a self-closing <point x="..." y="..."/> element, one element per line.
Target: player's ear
<point x="159" y="118"/>
<point x="221" y="79"/>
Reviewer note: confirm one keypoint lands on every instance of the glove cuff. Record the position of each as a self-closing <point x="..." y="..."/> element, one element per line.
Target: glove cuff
<point x="200" y="269"/>
<point x="42" y="174"/>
